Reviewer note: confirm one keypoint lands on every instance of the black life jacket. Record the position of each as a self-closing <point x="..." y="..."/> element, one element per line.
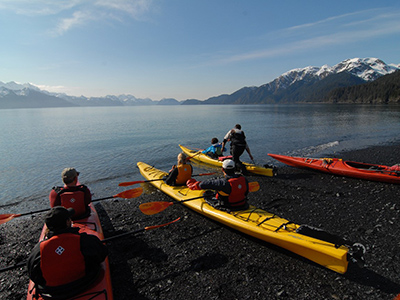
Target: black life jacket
<point x="238" y="138"/>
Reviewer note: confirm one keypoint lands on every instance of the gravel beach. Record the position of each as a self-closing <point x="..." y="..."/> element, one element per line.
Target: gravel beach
<point x="197" y="258"/>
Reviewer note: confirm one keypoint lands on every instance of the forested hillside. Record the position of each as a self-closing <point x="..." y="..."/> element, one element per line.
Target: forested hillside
<point x="383" y="90"/>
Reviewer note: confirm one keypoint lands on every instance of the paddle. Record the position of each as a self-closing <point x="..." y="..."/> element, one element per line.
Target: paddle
<point x="190" y="157"/>
<point x="23" y="263"/>
<point x="144" y="181"/>
<point x="128" y="194"/>
<point x="152" y="208"/>
<point x="138" y="231"/>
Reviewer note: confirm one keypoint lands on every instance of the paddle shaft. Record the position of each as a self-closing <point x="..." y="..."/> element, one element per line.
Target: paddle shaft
<point x="137" y="231"/>
<point x="128" y="183"/>
<point x="128" y="194"/>
<point x="46" y="209"/>
<point x="151" y="180"/>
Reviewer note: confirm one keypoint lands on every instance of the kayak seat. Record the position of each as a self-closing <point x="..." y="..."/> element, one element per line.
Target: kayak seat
<point x="222" y="158"/>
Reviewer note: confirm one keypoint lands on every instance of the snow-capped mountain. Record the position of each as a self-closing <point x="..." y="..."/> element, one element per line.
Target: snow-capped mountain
<point x="309" y="84"/>
<point x="368" y="69"/>
<point x="297" y="85"/>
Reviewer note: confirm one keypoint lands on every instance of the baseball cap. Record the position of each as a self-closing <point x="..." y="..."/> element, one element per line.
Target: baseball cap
<point x="69" y="173"/>
<point x="228" y="164"/>
<point x="57" y="217"/>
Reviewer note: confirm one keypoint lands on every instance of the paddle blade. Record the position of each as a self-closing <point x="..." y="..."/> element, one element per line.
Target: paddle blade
<point x="8" y="217"/>
<point x="133" y="193"/>
<point x="128" y="183"/>
<point x="152" y="208"/>
<point x="204" y="174"/>
<point x="254" y="186"/>
<point x="162" y="225"/>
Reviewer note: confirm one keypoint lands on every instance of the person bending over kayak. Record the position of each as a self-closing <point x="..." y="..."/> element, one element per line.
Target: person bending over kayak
<point x="232" y="189"/>
<point x="180" y="173"/>
<point x="72" y="194"/>
<point x="66" y="260"/>
<point x="215" y="150"/>
<point x="238" y="144"/>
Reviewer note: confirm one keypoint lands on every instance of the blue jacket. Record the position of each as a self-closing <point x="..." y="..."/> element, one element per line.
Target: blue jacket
<point x="215" y="149"/>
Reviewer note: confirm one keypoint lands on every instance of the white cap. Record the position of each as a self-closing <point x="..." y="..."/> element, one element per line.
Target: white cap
<point x="228" y="164"/>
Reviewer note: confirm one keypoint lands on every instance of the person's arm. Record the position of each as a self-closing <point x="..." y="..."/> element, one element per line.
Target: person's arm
<point x="209" y="149"/>
<point x="248" y="151"/>
<point x="55" y="200"/>
<point x="217" y="184"/>
<point x="93" y="249"/>
<point x="88" y="196"/>
<point x="171" y="177"/>
<point x="227" y="138"/>
<point x="33" y="266"/>
<point x="223" y="147"/>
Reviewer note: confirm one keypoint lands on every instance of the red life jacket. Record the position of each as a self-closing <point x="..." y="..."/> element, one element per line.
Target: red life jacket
<point x="61" y="259"/>
<point x="184" y="174"/>
<point x="237" y="197"/>
<point x="73" y="197"/>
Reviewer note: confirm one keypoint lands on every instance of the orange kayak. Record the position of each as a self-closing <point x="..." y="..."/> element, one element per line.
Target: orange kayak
<point x="101" y="288"/>
<point x="341" y="167"/>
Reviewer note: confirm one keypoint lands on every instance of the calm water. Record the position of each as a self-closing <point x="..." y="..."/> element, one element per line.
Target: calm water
<point x="104" y="143"/>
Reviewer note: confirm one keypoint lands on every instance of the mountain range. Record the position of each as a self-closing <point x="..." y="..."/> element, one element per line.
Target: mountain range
<point x="309" y="84"/>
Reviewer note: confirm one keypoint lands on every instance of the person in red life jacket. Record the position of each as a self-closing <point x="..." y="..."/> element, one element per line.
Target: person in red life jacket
<point x="72" y="194"/>
<point x="180" y="173"/>
<point x="66" y="260"/>
<point x="232" y="189"/>
<point x="238" y="145"/>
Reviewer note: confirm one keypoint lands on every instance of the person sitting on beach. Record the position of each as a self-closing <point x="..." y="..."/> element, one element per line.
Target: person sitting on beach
<point x="72" y="194"/>
<point x="180" y="173"/>
<point x="66" y="260"/>
<point x="232" y="189"/>
<point x="215" y="150"/>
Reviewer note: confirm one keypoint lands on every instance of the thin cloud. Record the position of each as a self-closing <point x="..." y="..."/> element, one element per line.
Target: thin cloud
<point x="83" y="11"/>
<point x="78" y="18"/>
<point x="135" y="9"/>
<point x="361" y="30"/>
<point x="39" y="7"/>
<point x="331" y="19"/>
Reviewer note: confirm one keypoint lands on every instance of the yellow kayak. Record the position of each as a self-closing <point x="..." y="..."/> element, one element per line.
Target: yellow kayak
<point x="266" y="226"/>
<point x="198" y="156"/>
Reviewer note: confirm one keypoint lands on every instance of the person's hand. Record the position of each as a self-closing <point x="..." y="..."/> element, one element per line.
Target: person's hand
<point x="190" y="181"/>
<point x="194" y="186"/>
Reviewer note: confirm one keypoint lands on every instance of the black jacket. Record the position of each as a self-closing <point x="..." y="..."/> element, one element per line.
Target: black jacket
<point x="93" y="251"/>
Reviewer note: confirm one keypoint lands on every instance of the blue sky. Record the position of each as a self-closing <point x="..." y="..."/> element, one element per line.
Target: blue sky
<point x="185" y="49"/>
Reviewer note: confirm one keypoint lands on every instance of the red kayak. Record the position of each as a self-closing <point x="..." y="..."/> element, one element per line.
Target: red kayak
<point x="101" y="288"/>
<point x="341" y="167"/>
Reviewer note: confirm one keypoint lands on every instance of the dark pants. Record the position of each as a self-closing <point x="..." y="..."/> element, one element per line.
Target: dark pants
<point x="236" y="152"/>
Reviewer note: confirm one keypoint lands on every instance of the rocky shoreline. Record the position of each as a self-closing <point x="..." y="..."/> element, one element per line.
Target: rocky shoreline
<point x="198" y="258"/>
